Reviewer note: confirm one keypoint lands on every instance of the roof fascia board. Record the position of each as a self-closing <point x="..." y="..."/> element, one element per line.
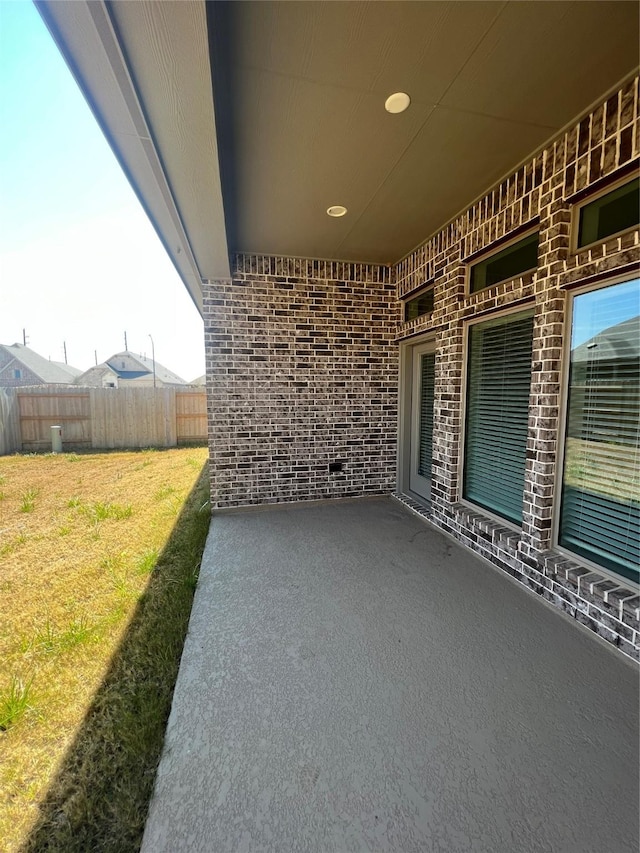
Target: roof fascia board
<point x="89" y="42"/>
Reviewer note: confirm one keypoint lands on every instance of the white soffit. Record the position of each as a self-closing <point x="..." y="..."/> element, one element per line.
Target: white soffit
<point x="149" y="126"/>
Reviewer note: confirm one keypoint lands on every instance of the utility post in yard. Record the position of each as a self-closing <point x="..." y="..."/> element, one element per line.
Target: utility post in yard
<point x="153" y="359"/>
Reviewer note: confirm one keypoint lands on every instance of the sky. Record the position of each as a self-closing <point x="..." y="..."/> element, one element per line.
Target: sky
<point x="80" y="262"/>
<point x="601" y="309"/>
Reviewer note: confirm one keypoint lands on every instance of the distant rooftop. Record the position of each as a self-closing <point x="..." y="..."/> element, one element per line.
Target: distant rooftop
<point x="616" y="343"/>
<point x="49" y="372"/>
<point x="144" y="366"/>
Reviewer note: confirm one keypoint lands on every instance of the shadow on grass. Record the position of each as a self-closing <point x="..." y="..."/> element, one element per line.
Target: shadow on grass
<point x="99" y="799"/>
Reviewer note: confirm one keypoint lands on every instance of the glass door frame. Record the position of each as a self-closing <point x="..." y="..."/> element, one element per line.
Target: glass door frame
<point x="411" y="351"/>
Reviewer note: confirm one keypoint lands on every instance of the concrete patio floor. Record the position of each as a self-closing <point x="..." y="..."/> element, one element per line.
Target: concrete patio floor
<point x="354" y="680"/>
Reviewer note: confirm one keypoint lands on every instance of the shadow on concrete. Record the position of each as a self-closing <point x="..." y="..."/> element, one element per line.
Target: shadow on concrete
<point x="99" y="799"/>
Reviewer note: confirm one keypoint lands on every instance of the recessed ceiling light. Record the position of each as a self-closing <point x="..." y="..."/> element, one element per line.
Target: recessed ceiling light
<point x="336" y="210"/>
<point x="397" y="103"/>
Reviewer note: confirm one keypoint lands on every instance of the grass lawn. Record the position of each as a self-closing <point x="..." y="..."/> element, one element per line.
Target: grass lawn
<point x="99" y="555"/>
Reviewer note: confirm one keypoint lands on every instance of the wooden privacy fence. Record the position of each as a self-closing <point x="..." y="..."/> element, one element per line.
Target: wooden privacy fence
<point x="101" y="418"/>
<point x="9" y="422"/>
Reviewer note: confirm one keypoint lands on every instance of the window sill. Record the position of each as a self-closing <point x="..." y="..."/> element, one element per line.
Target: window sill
<point x="489" y="529"/>
<point x="623" y="599"/>
<point x="424" y="323"/>
<point x="503" y="294"/>
<point x="617" y="235"/>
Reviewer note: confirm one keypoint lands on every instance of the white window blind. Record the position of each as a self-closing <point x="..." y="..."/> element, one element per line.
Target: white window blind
<point x="498" y="386"/>
<point x="600" y="514"/>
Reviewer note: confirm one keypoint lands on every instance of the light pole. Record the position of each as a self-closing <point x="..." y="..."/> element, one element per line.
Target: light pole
<point x="153" y="358"/>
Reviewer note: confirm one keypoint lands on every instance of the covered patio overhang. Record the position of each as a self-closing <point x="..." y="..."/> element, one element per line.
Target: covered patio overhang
<point x="352" y="679"/>
<point x="240" y="124"/>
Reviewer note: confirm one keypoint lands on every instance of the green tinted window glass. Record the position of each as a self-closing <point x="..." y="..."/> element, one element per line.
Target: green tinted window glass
<point x="427" y="388"/>
<point x="614" y="212"/>
<point x="498" y="385"/>
<point x="422" y="304"/>
<point x="509" y="263"/>
<point x="600" y="511"/>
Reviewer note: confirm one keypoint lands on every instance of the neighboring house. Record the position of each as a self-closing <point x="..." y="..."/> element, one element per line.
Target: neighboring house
<point x="127" y="369"/>
<point x="389" y="298"/>
<point x="100" y="376"/>
<point x="20" y="366"/>
<point x="200" y="380"/>
<point x="139" y="368"/>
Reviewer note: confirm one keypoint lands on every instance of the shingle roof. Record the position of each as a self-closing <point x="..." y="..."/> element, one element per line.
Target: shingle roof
<point x="133" y="374"/>
<point x="163" y="374"/>
<point x="54" y="372"/>
<point x="94" y="375"/>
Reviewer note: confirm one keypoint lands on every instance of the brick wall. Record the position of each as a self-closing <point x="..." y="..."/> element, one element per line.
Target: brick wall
<point x="301" y="373"/>
<point x="302" y="365"/>
<point x="542" y="192"/>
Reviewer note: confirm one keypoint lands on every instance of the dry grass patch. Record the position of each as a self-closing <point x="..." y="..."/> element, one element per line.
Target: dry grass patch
<point x="99" y="555"/>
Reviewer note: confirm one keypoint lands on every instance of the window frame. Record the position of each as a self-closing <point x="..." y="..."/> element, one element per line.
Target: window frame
<point x="428" y="338"/>
<point x="606" y="573"/>
<point x="495" y="248"/>
<point x="416" y="294"/>
<point x="577" y="208"/>
<point x="517" y="308"/>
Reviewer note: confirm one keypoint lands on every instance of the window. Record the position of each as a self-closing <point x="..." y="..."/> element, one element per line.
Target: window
<point x="600" y="510"/>
<point x="17" y="373"/>
<point x="516" y="259"/>
<point x="610" y="214"/>
<point x="419" y="305"/>
<point x="498" y="385"/>
<point x="427" y="394"/>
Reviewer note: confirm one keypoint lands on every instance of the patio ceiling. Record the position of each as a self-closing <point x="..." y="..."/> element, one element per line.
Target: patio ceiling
<point x="299" y="121"/>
